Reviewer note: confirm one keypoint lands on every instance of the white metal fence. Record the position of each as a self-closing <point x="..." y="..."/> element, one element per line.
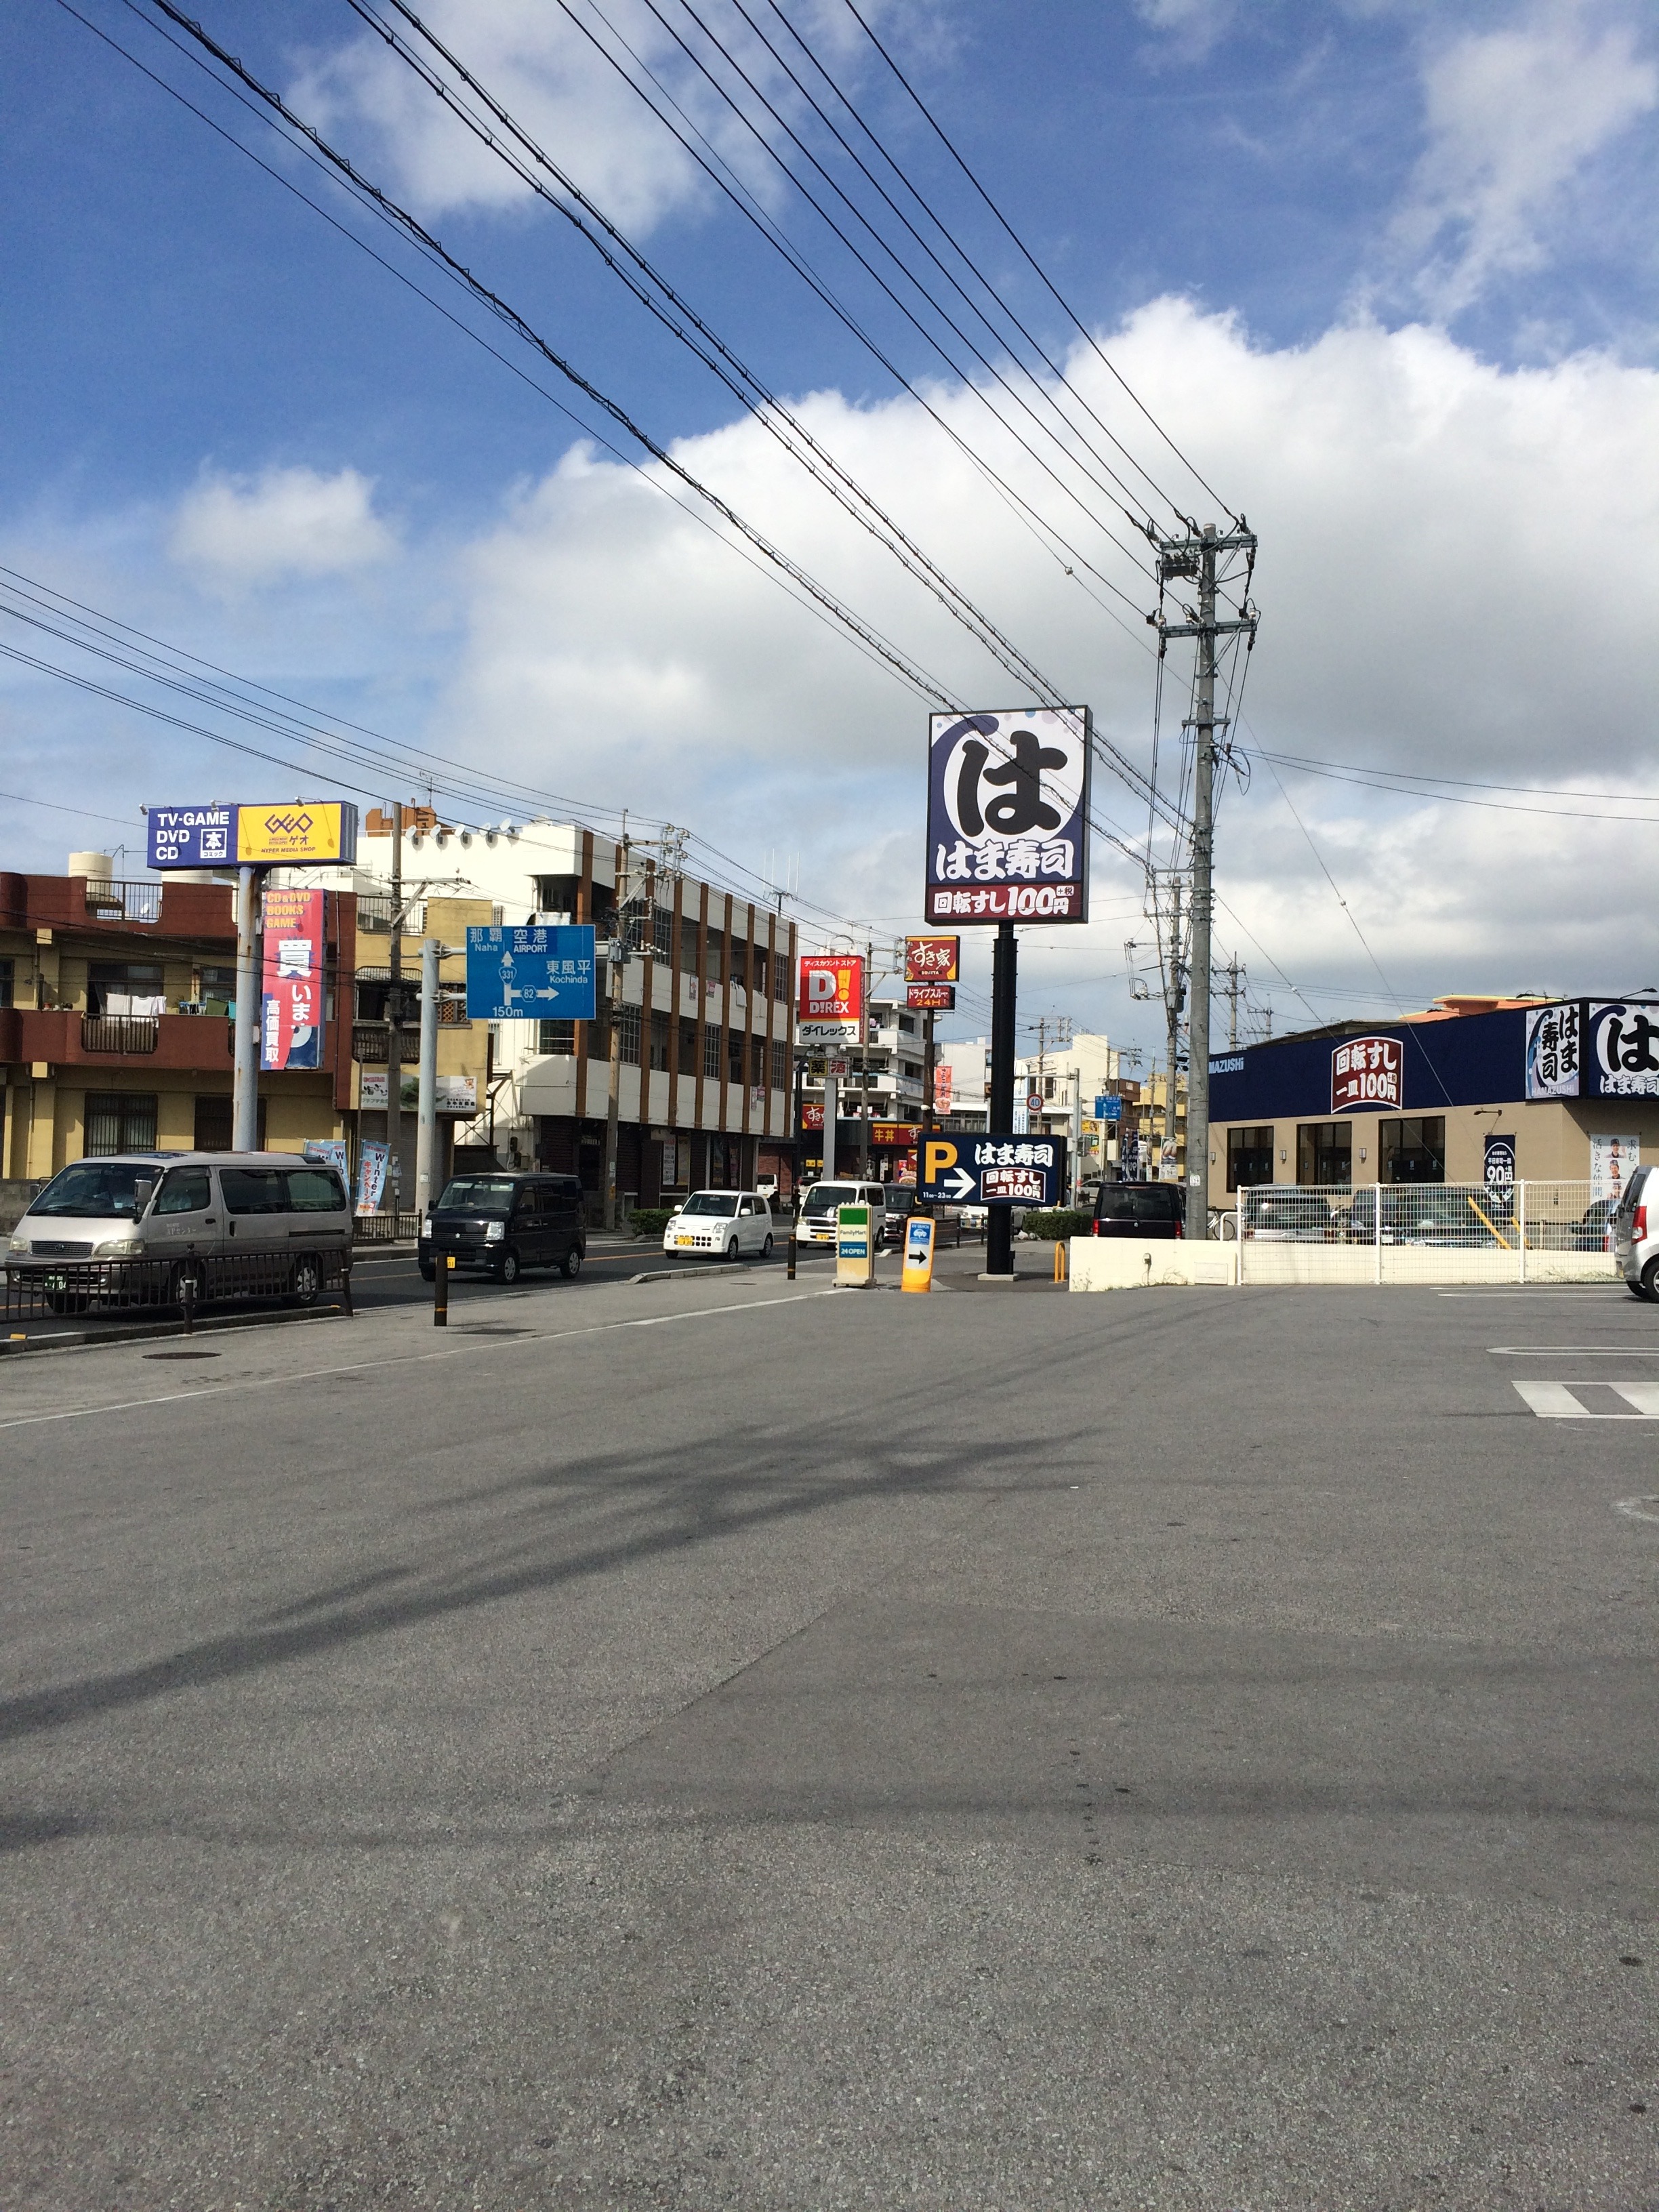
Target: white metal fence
<point x="1535" y="1232"/>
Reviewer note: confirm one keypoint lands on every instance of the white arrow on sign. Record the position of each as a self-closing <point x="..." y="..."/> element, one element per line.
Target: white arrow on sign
<point x="960" y="1184"/>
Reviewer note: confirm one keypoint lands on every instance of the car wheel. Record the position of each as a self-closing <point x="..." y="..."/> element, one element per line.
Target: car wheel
<point x="732" y="1250"/>
<point x="307" y="1280"/>
<point x="507" y="1267"/>
<point x="1651" y="1281"/>
<point x="429" y="1271"/>
<point x="571" y="1265"/>
<point x="766" y="1249"/>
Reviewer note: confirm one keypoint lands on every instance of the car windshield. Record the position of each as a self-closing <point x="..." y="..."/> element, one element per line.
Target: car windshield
<point x="710" y="1201"/>
<point x="476" y="1195"/>
<point x="95" y="1189"/>
<point x="825" y="1197"/>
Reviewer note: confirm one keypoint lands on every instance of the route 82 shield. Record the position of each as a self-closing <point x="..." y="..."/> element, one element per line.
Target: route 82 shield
<point x="1008" y="817"/>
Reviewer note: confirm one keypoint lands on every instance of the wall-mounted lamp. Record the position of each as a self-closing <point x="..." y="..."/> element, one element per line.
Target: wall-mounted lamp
<point x="1283" y="1154"/>
<point x="1362" y="1153"/>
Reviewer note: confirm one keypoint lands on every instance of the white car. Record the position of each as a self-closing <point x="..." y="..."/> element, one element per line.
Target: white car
<point x="819" y="1206"/>
<point x="726" y="1223"/>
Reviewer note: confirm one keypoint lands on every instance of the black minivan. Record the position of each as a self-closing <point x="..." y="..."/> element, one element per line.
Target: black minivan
<point x="503" y="1223"/>
<point x="1140" y="1209"/>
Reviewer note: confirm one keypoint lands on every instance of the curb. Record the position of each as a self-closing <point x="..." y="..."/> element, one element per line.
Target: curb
<point x="710" y="1268"/>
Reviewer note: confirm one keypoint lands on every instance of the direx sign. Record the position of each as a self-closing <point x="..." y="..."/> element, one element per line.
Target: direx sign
<point x="831" y="1005"/>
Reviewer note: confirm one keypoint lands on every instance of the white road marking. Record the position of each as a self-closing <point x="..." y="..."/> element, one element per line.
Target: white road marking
<point x="1639" y="1509"/>
<point x="1572" y="1351"/>
<point x="401" y="1359"/>
<point x="1554" y="1402"/>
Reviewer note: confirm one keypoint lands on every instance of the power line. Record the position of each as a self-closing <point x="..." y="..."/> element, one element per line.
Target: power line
<point x="1077" y="323"/>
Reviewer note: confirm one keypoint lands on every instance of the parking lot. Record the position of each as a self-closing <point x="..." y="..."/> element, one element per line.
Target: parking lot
<point x="728" y="1743"/>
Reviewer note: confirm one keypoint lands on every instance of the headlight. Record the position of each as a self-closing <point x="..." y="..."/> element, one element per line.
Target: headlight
<point x="18" y="1244"/>
<point x="495" y="1231"/>
<point x="120" y="1248"/>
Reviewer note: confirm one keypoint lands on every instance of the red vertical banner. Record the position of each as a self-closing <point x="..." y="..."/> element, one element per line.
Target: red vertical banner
<point x="291" y="982"/>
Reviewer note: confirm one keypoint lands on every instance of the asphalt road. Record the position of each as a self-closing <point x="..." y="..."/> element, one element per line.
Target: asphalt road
<point x="721" y="1743"/>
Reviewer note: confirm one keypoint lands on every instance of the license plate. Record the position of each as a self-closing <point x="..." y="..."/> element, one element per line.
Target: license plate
<point x="53" y="1282"/>
<point x="685" y="1240"/>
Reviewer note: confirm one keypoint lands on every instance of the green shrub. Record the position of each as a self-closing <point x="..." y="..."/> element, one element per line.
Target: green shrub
<point x="650" y="1220"/>
<point x="1063" y="1221"/>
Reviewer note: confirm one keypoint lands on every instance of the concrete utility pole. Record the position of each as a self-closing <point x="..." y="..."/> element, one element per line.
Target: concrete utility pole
<point x="1174" y="993"/>
<point x="245" y="1079"/>
<point x="863" y="1067"/>
<point x="394" y="1013"/>
<point x="613" y="1098"/>
<point x="426" y="1130"/>
<point x="1234" y="973"/>
<point x="1196" y="557"/>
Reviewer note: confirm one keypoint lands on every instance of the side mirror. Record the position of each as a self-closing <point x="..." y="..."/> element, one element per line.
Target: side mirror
<point x="142" y="1192"/>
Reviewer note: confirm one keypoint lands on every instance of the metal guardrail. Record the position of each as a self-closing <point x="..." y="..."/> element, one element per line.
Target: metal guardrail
<point x="384" y="1228"/>
<point x="185" y="1285"/>
<point x="119" y="1033"/>
<point x="1422" y="1232"/>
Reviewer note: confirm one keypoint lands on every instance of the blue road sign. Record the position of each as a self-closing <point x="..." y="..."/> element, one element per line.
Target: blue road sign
<point x="530" y="975"/>
<point x="191" y="836"/>
<point x="1108" y="1107"/>
<point x="991" y="1170"/>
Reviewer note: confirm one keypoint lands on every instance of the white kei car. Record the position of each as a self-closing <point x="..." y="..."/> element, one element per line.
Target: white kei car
<point x="729" y="1224"/>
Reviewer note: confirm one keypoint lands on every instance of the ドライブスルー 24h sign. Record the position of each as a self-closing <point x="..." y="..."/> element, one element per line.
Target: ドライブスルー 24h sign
<point x="1008" y="817"/>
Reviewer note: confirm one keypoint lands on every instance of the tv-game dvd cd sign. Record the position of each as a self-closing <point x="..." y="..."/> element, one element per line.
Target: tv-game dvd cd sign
<point x="1008" y="816"/>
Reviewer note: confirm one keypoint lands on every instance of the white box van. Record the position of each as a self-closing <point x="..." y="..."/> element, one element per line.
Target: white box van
<point x="191" y="1213"/>
<point x="818" y="1221"/>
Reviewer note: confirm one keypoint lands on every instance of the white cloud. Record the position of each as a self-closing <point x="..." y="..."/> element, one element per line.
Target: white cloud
<point x="1513" y="118"/>
<point x="572" y="101"/>
<point x="235" y="533"/>
<point x="1191" y="28"/>
<point x="1457" y="564"/>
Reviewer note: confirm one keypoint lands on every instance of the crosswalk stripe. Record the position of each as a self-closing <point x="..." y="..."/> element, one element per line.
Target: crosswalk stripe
<point x="1554" y="1402"/>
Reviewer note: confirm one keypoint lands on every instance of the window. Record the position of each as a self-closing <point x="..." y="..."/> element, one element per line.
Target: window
<point x="688" y="1045"/>
<point x="6" y="973"/>
<point x="780" y="1065"/>
<point x="1249" y="1157"/>
<point x="734" y="1055"/>
<point x="119" y="1122"/>
<point x="254" y="1190"/>
<point x="659" y="1042"/>
<point x="1324" y="1153"/>
<point x="314" y="1190"/>
<point x="662" y="931"/>
<point x="1048" y="1086"/>
<point x="758" y="1061"/>
<point x="906" y="1024"/>
<point x="758" y="971"/>
<point x="212" y="1127"/>
<point x="689" y="944"/>
<point x="1413" y="1150"/>
<point x="711" y="1051"/>
<point x="714" y="952"/>
<point x="556" y="893"/>
<point x="183" y="1190"/>
<point x="739" y="963"/>
<point x="627" y="1023"/>
<point x="124" y="987"/>
<point x="557" y="1040"/>
<point x="779" y="977"/>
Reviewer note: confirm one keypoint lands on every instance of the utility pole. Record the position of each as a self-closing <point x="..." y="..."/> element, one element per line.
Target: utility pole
<point x="1174" y="995"/>
<point x="394" y="1013"/>
<point x="619" y="956"/>
<point x="426" y="1130"/>
<point x="863" y="1067"/>
<point x="1196" y="557"/>
<point x="1234" y="973"/>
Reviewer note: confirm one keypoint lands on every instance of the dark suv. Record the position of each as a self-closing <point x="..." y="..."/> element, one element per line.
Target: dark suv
<point x="1140" y="1209"/>
<point x="502" y="1224"/>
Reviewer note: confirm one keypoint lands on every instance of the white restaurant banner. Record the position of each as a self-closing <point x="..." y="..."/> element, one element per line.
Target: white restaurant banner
<point x="1553" y="1051"/>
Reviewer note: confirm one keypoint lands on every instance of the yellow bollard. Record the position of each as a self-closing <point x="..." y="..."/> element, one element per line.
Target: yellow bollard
<point x="1060" y="1259"/>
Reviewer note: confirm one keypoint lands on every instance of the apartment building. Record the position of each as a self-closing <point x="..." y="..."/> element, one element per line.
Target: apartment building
<point x="883" y="1085"/>
<point x="116" y="1000"/>
<point x="704" y="1025"/>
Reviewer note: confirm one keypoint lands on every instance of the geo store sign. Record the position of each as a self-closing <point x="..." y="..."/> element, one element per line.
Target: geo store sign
<point x="1366" y="1071"/>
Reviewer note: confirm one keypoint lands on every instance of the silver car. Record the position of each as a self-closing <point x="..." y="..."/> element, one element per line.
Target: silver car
<point x="1636" y="1236"/>
<point x="187" y="1213"/>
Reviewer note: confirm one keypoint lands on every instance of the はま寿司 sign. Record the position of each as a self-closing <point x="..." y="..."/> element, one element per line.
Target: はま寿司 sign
<point x="1008" y="817"/>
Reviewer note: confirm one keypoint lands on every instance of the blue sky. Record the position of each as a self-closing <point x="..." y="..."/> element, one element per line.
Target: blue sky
<point x="1357" y="255"/>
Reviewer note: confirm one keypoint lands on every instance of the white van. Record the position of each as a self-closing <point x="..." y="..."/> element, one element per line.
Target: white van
<point x="190" y="1212"/>
<point x="817" y="1223"/>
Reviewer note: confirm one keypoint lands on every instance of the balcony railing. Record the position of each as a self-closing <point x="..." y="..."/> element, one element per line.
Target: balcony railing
<point x="369" y="1041"/>
<point x="119" y="1033"/>
<point x="112" y="901"/>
